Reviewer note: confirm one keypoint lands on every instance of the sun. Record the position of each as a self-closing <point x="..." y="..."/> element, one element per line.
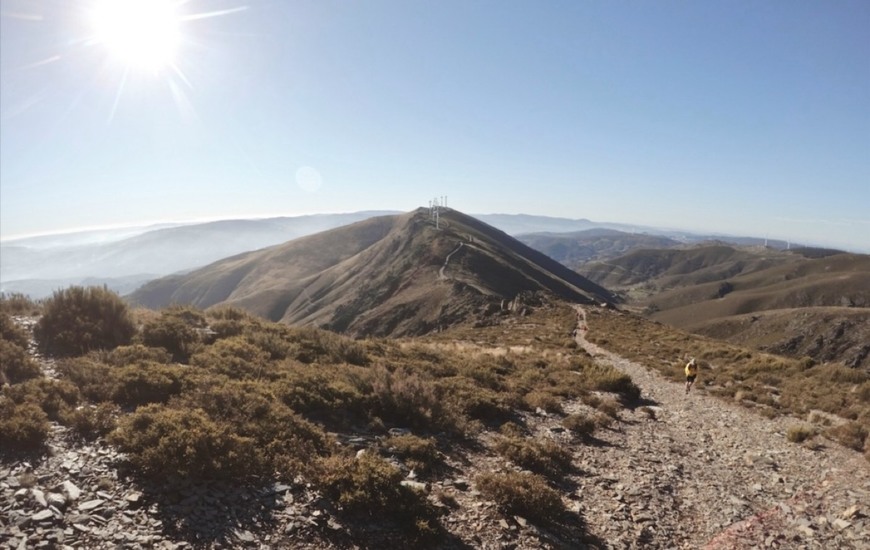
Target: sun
<point x="142" y="35"/>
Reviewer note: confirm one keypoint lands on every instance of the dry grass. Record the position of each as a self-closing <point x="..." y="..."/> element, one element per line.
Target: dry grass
<point x="779" y="385"/>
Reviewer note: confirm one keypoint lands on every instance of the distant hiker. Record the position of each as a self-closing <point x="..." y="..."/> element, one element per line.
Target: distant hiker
<point x="691" y="374"/>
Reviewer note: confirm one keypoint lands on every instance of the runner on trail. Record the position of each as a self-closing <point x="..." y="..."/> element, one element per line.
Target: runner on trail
<point x="691" y="373"/>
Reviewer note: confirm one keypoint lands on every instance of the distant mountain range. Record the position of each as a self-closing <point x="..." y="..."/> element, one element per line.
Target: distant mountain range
<point x="123" y="259"/>
<point x="38" y="265"/>
<point x="386" y="276"/>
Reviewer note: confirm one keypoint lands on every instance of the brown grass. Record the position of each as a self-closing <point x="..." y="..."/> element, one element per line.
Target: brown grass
<point x="778" y="385"/>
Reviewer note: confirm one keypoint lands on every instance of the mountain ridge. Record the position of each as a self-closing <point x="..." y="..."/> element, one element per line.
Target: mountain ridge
<point x="389" y="275"/>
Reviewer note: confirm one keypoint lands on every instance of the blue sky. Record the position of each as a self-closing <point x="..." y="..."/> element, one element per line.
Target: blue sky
<point x="740" y="117"/>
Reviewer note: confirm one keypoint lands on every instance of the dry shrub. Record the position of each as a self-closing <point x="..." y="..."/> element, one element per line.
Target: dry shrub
<point x="512" y="429"/>
<point x="418" y="454"/>
<point x="321" y="346"/>
<point x="89" y="422"/>
<point x="146" y="383"/>
<point x="603" y="421"/>
<point x="235" y="358"/>
<point x="543" y="400"/>
<point x="284" y="440"/>
<point x="134" y="354"/>
<point x="407" y="398"/>
<point x="849" y="434"/>
<point x="54" y="397"/>
<point x="15" y="364"/>
<point x="338" y="396"/>
<point x="77" y="320"/>
<point x="12" y="333"/>
<point x="815" y="417"/>
<point x="608" y="379"/>
<point x="176" y="331"/>
<point x="579" y="424"/>
<point x="591" y="400"/>
<point x="16" y="303"/>
<point x="462" y="400"/>
<point x="800" y="433"/>
<point x="371" y="487"/>
<point x="520" y="493"/>
<point x="95" y="380"/>
<point x="276" y="344"/>
<point x="164" y="442"/>
<point x="23" y="426"/>
<point x="543" y="457"/>
<point x="610" y="408"/>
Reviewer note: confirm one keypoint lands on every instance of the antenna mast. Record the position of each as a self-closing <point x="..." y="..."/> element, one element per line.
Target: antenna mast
<point x="435" y="206"/>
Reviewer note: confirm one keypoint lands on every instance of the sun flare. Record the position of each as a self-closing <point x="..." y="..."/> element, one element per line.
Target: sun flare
<point x="140" y="34"/>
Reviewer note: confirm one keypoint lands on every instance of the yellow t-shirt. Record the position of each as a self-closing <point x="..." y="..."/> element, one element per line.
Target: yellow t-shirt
<point x="691" y="369"/>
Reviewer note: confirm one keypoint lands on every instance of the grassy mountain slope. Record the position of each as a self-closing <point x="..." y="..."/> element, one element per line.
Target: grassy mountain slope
<point x="828" y="334"/>
<point x="388" y="275"/>
<point x="805" y="302"/>
<point x="667" y="268"/>
<point x="576" y="248"/>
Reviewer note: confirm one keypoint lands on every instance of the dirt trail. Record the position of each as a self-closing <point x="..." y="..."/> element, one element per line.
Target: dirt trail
<point x="441" y="274"/>
<point x="705" y="473"/>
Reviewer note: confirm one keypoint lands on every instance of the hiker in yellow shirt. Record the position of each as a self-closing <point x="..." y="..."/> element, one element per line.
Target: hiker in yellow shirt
<point x="691" y="374"/>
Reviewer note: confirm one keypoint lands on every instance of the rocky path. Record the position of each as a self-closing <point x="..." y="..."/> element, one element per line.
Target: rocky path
<point x="441" y="274"/>
<point x="693" y="471"/>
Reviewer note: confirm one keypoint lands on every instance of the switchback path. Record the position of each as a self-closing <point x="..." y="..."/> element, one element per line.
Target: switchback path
<point x="446" y="261"/>
<point x="699" y="472"/>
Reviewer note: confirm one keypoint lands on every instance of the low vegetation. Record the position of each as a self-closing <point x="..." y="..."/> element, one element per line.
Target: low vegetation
<point x="772" y="384"/>
<point x="223" y="395"/>
<point x="15" y="303"/>
<point x="543" y="457"/>
<point x="78" y="319"/>
<point x="523" y="494"/>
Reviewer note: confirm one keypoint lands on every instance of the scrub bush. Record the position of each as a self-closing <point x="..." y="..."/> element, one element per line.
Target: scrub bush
<point x="418" y="454"/>
<point x="54" y="397"/>
<point x="15" y="364"/>
<point x="369" y="486"/>
<point x="78" y="319"/>
<point x="524" y="494"/>
<point x="165" y="442"/>
<point x="23" y="426"/>
<point x="175" y="331"/>
<point x="12" y="333"/>
<point x="579" y="424"/>
<point x="542" y="457"/>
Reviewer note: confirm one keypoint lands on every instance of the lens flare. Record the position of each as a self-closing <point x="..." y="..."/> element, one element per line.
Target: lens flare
<point x="140" y="34"/>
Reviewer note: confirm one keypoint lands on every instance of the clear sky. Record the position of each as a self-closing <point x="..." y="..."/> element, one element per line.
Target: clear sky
<point x="740" y="117"/>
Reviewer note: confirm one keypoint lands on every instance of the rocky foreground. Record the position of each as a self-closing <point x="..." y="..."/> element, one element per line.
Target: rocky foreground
<point x="679" y="472"/>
